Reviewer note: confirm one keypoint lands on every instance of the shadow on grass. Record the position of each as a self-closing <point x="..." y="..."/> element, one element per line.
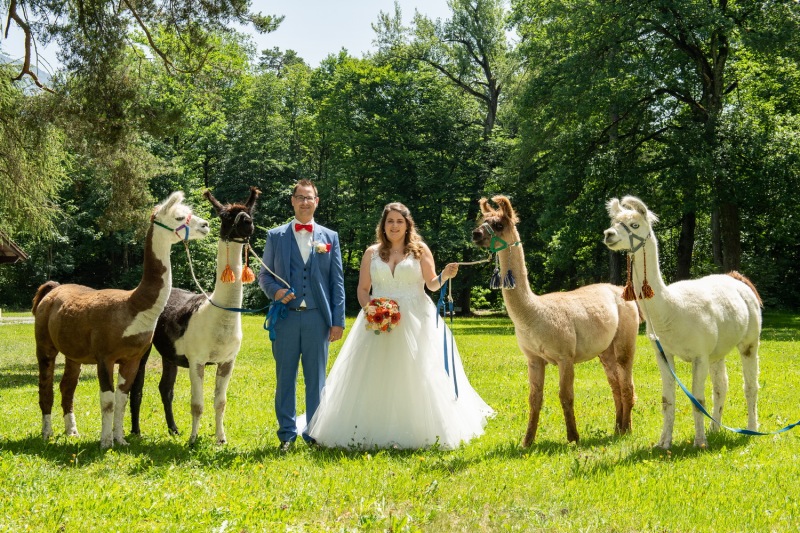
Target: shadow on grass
<point x="15" y="376"/>
<point x="781" y="326"/>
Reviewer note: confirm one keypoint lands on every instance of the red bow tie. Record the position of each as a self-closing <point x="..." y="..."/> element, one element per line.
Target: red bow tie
<point x="308" y="227"/>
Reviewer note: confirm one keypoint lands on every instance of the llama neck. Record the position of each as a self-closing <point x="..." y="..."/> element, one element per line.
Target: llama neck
<point x="519" y="299"/>
<point x="647" y="257"/>
<point x="228" y="294"/>
<point x="150" y="296"/>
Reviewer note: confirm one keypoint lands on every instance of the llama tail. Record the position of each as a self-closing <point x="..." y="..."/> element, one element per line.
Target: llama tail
<point x="41" y="292"/>
<point x="737" y="276"/>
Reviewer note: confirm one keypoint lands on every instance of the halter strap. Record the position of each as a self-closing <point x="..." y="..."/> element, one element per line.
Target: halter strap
<point x="493" y="243"/>
<point x="632" y="236"/>
<point x="184" y="226"/>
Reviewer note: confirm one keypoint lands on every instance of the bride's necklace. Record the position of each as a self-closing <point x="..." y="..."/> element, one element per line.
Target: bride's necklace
<point x="399" y="252"/>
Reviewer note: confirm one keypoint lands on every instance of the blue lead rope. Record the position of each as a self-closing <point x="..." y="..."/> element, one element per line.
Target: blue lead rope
<point x="702" y="409"/>
<point x="446" y="307"/>
<point x="277" y="311"/>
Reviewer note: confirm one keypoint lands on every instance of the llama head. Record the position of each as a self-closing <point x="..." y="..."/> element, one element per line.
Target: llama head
<point x="236" y="219"/>
<point x="631" y="224"/>
<point x="496" y="223"/>
<point x="177" y="217"/>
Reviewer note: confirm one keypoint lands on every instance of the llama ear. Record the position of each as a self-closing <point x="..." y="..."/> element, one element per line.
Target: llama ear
<point x="485" y="208"/>
<point x="505" y="206"/>
<point x="631" y="202"/>
<point x="251" y="202"/>
<point x="218" y="207"/>
<point x="174" y="199"/>
<point x="613" y="207"/>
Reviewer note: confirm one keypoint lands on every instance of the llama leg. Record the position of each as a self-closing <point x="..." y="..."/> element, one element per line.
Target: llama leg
<point x="47" y="363"/>
<point x="106" y="378"/>
<point x="719" y="387"/>
<point x="749" y="355"/>
<point x="127" y="375"/>
<point x="137" y="392"/>
<point x="566" y="393"/>
<point x="196" y="375"/>
<point x="608" y="359"/>
<point x="699" y="375"/>
<point x="667" y="399"/>
<point x="536" y="367"/>
<point x="224" y="372"/>
<point x="166" y="386"/>
<point x="69" y="382"/>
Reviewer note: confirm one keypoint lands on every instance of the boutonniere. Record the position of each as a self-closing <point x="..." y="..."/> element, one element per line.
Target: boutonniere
<point x="321" y="247"/>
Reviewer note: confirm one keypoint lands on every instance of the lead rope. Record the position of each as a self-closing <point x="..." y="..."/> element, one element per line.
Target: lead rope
<point x="445" y="309"/>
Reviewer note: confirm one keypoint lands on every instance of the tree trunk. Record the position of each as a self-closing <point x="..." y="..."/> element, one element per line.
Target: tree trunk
<point x="616" y="264"/>
<point x="716" y="239"/>
<point x="730" y="231"/>
<point x="685" y="246"/>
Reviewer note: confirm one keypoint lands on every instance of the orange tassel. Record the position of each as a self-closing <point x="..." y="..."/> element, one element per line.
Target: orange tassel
<point x="647" y="290"/>
<point x="247" y="273"/>
<point x="628" y="294"/>
<point x="227" y="274"/>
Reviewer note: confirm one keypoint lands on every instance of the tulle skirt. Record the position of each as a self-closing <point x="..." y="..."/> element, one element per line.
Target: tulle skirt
<point x="391" y="390"/>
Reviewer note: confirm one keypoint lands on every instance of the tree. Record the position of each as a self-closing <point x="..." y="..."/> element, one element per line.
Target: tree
<point x="645" y="88"/>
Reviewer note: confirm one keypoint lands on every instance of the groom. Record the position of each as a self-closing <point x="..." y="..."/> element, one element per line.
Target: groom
<point x="307" y="256"/>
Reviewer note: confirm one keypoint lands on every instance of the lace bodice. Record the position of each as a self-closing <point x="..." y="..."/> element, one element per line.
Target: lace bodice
<point x="406" y="282"/>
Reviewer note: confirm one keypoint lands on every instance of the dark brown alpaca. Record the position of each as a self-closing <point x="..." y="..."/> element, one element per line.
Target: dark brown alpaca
<point x="192" y="332"/>
<point x="108" y="327"/>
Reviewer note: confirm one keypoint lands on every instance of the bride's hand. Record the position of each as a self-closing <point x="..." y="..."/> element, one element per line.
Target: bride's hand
<point x="450" y="271"/>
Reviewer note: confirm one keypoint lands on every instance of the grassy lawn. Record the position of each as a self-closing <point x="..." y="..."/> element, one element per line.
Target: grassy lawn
<point x="604" y="483"/>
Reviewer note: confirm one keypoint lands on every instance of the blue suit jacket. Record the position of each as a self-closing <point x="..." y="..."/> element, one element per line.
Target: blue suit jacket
<point x="327" y="277"/>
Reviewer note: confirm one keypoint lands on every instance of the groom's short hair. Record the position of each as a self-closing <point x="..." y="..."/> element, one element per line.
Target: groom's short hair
<point x="305" y="183"/>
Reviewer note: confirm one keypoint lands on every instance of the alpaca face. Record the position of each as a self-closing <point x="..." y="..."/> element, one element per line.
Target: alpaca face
<point x="175" y="215"/>
<point x="495" y="223"/>
<point x="236" y="219"/>
<point x="631" y="224"/>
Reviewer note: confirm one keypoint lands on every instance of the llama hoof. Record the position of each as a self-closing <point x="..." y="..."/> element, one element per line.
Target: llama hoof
<point x="121" y="441"/>
<point x="106" y="442"/>
<point x="174" y="430"/>
<point x="47" y="435"/>
<point x="701" y="443"/>
<point x="222" y="441"/>
<point x="664" y="445"/>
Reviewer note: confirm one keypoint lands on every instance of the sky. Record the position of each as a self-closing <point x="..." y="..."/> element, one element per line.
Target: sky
<point x="312" y="28"/>
<point x="316" y="28"/>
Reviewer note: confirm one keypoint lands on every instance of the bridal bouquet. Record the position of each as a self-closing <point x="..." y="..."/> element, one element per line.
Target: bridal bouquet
<point x="382" y="315"/>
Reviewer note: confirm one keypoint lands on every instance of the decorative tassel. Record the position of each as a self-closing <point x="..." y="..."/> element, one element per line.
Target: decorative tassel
<point x="227" y="274"/>
<point x="628" y="294"/>
<point x="495" y="282"/>
<point x="647" y="290"/>
<point x="509" y="282"/>
<point x="247" y="273"/>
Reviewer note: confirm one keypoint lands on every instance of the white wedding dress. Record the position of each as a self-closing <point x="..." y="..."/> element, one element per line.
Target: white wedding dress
<point x="391" y="390"/>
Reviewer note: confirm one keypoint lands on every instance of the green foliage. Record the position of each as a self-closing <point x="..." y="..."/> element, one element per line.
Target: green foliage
<point x="605" y="482"/>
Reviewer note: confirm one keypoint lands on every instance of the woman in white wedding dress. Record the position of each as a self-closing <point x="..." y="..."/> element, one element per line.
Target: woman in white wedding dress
<point x="391" y="390"/>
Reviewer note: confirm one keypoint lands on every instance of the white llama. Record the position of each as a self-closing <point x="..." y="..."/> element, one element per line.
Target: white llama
<point x="699" y="321"/>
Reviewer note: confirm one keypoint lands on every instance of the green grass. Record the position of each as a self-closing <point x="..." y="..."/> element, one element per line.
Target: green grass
<point x="604" y="483"/>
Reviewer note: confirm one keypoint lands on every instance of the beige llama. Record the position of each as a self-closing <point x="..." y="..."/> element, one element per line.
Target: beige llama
<point x="562" y="328"/>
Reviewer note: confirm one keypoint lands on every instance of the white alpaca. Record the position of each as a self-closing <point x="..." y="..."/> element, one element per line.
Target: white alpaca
<point x="699" y="321"/>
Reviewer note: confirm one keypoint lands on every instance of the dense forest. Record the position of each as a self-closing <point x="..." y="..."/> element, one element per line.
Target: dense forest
<point x="694" y="106"/>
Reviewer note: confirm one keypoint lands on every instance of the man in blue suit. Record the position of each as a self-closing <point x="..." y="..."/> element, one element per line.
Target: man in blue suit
<point x="307" y="256"/>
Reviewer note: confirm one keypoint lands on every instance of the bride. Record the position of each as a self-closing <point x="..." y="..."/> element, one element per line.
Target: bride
<point x="391" y="389"/>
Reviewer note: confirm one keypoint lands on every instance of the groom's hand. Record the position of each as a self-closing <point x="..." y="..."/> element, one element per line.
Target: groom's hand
<point x="282" y="296"/>
<point x="335" y="333"/>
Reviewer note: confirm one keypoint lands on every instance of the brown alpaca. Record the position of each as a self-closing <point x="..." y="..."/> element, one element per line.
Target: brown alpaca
<point x="562" y="328"/>
<point x="108" y="327"/>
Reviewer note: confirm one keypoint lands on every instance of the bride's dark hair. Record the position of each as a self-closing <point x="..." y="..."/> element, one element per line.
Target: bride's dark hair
<point x="413" y="242"/>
